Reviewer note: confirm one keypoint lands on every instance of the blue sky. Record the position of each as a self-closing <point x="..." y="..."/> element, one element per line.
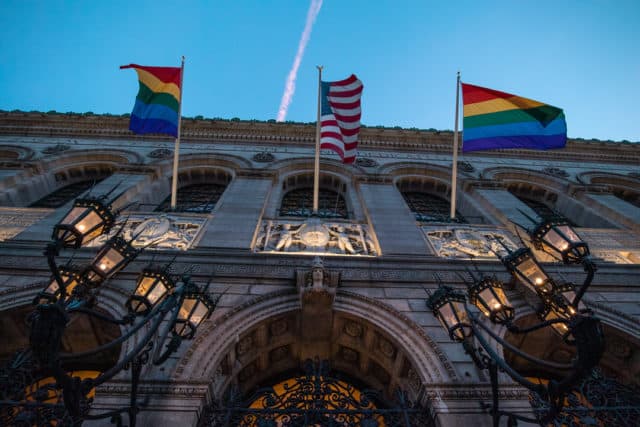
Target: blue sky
<point x="582" y="56"/>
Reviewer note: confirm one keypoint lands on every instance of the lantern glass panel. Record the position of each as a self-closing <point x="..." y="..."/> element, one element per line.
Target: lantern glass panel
<point x="570" y="233"/>
<point x="73" y="215"/>
<point x="144" y="284"/>
<point x="532" y="273"/>
<point x="157" y="292"/>
<point x="109" y="261"/>
<point x="492" y="298"/>
<point x="555" y="240"/>
<point x="185" y="308"/>
<point x="199" y="313"/>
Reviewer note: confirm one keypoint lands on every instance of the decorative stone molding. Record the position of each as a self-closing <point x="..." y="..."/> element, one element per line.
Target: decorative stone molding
<point x="465" y="166"/>
<point x="56" y="149"/>
<point x="264" y="157"/>
<point x="315" y="237"/>
<point x="560" y="173"/>
<point x="366" y="162"/>
<point x="159" y="231"/>
<point x="15" y="220"/>
<point x="467" y="242"/>
<point x="160" y="153"/>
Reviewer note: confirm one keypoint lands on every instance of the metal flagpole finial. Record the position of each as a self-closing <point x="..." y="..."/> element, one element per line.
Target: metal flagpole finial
<point x="320" y="67"/>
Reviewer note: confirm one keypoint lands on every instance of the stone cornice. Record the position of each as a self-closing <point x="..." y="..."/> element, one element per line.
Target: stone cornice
<point x="202" y="130"/>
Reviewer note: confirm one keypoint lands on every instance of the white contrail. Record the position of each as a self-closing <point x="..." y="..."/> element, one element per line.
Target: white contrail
<point x="290" y="85"/>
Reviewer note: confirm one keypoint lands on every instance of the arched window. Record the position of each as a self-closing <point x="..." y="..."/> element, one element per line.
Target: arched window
<point x="64" y="195"/>
<point x="298" y="197"/>
<point x="194" y="198"/>
<point x="541" y="201"/>
<point x="430" y="208"/>
<point x="299" y="203"/>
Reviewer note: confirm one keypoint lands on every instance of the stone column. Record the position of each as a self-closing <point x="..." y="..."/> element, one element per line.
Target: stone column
<point x="505" y="206"/>
<point x="237" y="214"/>
<point x="392" y="221"/>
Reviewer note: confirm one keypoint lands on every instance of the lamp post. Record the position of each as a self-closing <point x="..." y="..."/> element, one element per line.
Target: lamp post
<point x="160" y="306"/>
<point x="562" y="310"/>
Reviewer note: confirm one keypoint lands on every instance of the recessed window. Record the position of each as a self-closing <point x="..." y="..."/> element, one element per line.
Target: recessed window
<point x="299" y="203"/>
<point x="195" y="198"/>
<point x="430" y="208"/>
<point x="64" y="195"/>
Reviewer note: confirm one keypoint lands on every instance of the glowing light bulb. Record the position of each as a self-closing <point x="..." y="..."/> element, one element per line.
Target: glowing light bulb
<point x="539" y="281"/>
<point x="497" y="305"/>
<point x="103" y="266"/>
<point x="81" y="227"/>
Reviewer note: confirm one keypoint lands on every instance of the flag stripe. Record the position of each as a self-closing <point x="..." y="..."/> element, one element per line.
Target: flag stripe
<point x="147" y="96"/>
<point x="502" y="117"/>
<point x="144" y="126"/>
<point x="164" y="74"/>
<point x="473" y="94"/>
<point x="538" y="142"/>
<point x="556" y="127"/>
<point x="500" y="104"/>
<point x="154" y="111"/>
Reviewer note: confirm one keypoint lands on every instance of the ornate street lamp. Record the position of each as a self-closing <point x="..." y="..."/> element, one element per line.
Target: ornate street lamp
<point x="158" y="307"/>
<point x="562" y="310"/>
<point x="195" y="307"/>
<point x="111" y="258"/>
<point x="88" y="218"/>
<point x="488" y="295"/>
<point x="152" y="285"/>
<point x="523" y="265"/>
<point x="562" y="240"/>
<point x="448" y="307"/>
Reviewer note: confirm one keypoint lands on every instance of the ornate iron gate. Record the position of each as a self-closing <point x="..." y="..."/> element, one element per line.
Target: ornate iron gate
<point x="597" y="401"/>
<point x="315" y="399"/>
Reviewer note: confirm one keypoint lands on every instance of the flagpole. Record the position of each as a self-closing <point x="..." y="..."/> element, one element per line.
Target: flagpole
<point x="176" y="150"/>
<point x="454" y="171"/>
<point x="316" y="165"/>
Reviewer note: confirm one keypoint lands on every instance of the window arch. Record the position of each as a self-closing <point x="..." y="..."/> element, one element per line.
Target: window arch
<point x="540" y="201"/>
<point x="428" y="200"/>
<point x="64" y="195"/>
<point x="195" y="198"/>
<point x="202" y="191"/>
<point x="298" y="198"/>
<point x="430" y="208"/>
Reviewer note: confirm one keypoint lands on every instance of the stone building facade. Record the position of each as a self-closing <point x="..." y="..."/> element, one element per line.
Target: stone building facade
<point x="383" y="244"/>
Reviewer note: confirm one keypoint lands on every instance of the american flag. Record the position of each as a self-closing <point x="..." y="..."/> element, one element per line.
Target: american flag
<point x="340" y="117"/>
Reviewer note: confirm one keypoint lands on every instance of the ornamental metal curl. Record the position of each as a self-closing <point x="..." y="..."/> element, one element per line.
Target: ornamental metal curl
<point x="315" y="398"/>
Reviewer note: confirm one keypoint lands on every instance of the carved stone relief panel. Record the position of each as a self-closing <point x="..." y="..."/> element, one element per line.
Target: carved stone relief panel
<point x="467" y="242"/>
<point x="160" y="231"/>
<point x="327" y="238"/>
<point x="15" y="220"/>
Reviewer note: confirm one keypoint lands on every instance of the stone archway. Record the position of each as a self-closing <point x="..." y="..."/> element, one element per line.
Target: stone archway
<point x="262" y="341"/>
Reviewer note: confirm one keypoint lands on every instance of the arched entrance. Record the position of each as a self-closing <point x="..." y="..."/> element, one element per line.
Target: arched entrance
<point x="358" y="362"/>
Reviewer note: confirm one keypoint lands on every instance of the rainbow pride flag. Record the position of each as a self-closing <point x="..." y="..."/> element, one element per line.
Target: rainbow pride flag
<point x="157" y="105"/>
<point x="494" y="119"/>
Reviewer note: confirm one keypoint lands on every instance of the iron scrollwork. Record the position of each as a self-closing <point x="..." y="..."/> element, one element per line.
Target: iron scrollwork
<point x="314" y="398"/>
